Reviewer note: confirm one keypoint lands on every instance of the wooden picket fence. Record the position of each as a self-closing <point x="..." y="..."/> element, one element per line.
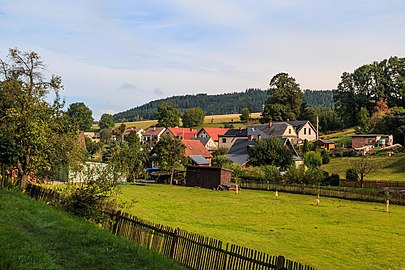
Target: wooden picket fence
<point x="189" y="249"/>
<point x="193" y="250"/>
<point x="342" y="193"/>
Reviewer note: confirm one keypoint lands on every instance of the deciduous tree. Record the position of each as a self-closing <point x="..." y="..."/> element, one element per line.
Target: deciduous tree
<point x="167" y="115"/>
<point x="106" y="121"/>
<point x="81" y="115"/>
<point x="193" y="117"/>
<point x="169" y="154"/>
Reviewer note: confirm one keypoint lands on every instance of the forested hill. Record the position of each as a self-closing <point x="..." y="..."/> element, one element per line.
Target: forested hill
<point x="220" y="104"/>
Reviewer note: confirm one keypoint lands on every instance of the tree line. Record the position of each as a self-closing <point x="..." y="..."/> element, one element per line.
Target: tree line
<point x="229" y="103"/>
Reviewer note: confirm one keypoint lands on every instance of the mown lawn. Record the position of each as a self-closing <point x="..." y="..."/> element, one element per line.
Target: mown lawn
<point x="337" y="234"/>
<point x="388" y="168"/>
<point x="36" y="236"/>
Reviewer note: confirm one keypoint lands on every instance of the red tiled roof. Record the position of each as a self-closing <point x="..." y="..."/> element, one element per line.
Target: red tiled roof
<point x="215" y="132"/>
<point x="184" y="133"/>
<point x="195" y="148"/>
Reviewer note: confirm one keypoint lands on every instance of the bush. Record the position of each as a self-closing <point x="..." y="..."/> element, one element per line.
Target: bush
<point x="295" y="175"/>
<point x="312" y="159"/>
<point x="325" y="156"/>
<point x="351" y="174"/>
<point x="271" y="173"/>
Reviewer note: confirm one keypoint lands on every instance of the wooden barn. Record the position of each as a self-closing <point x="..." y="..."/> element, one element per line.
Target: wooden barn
<point x="207" y="177"/>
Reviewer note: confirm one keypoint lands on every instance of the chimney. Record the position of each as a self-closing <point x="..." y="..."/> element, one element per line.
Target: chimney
<point x="270" y="124"/>
<point x="250" y="137"/>
<point x="154" y="128"/>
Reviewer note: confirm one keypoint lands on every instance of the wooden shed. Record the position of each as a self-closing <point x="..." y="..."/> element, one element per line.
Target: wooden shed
<point x="207" y="177"/>
<point x="324" y="144"/>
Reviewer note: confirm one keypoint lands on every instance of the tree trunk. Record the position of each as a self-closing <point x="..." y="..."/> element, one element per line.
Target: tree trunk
<point x="361" y="180"/>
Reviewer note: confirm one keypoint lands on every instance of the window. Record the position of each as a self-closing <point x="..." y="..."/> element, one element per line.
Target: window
<point x="305" y="131"/>
<point x="309" y="131"/>
<point x="289" y="131"/>
<point x="223" y="140"/>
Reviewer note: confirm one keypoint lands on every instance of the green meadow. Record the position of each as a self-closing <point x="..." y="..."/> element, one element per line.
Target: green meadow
<point x="337" y="234"/>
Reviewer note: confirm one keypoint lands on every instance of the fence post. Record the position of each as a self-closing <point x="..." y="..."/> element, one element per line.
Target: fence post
<point x="173" y="248"/>
<point x="116" y="222"/>
<point x="280" y="263"/>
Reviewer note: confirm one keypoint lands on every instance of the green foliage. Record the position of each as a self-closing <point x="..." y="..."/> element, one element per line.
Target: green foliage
<point x="167" y="115"/>
<point x="368" y="84"/>
<point x="92" y="147"/>
<point x="45" y="135"/>
<point x="105" y="136"/>
<point x="325" y="156"/>
<point x="129" y="160"/>
<point x="327" y="117"/>
<point x="313" y="159"/>
<point x="284" y="99"/>
<point x="81" y="115"/>
<point x="351" y="174"/>
<point x="393" y="123"/>
<point x="270" y="151"/>
<point x="193" y="117"/>
<point x="245" y="114"/>
<point x="312" y="175"/>
<point x="364" y="121"/>
<point x="220" y="161"/>
<point x="106" y="121"/>
<point x="220" y="151"/>
<point x="306" y="146"/>
<point x="272" y="173"/>
<point x="169" y="154"/>
<point x="229" y="103"/>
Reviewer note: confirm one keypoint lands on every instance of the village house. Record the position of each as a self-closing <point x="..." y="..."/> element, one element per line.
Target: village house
<point x="181" y="133"/>
<point x="212" y="133"/>
<point x="138" y="132"/>
<point x="95" y="137"/>
<point x="153" y="135"/>
<point x="305" y="131"/>
<point x="196" y="151"/>
<point x="362" y="140"/>
<point x="208" y="143"/>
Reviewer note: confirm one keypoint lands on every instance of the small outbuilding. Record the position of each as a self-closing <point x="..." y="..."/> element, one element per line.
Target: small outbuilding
<point x="324" y="144"/>
<point x="207" y="177"/>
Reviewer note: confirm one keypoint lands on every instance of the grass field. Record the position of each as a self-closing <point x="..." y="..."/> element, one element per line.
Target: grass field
<point x="388" y="168"/>
<point x="36" y="236"/>
<point x="337" y="234"/>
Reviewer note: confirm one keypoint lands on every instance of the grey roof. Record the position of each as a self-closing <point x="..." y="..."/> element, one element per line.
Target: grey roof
<point x="240" y="159"/>
<point x="240" y="146"/>
<point x="238" y="153"/>
<point x="199" y="160"/>
<point x="298" y="124"/>
<point x="204" y="141"/>
<point x="236" y="133"/>
<point x="325" y="141"/>
<point x="276" y="128"/>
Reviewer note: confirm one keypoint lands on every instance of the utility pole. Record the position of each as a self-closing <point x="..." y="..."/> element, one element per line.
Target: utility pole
<point x="317" y="127"/>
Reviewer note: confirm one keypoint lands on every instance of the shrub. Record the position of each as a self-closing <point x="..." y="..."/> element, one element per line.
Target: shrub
<point x="272" y="173"/>
<point x="325" y="156"/>
<point x="351" y="174"/>
<point x="295" y="175"/>
<point x="312" y="159"/>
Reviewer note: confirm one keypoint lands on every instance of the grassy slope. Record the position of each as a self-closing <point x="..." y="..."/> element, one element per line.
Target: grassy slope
<point x="36" y="236"/>
<point x="337" y="234"/>
<point x="388" y="168"/>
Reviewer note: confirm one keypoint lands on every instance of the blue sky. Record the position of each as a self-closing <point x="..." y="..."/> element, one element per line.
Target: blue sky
<point x="115" y="55"/>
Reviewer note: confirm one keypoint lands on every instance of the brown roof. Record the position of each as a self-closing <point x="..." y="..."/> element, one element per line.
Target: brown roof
<point x="215" y="132"/>
<point x="195" y="148"/>
<point x="153" y="131"/>
<point x="128" y="130"/>
<point x="185" y="133"/>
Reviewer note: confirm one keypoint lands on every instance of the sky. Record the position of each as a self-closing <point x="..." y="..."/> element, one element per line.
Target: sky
<point x="114" y="55"/>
